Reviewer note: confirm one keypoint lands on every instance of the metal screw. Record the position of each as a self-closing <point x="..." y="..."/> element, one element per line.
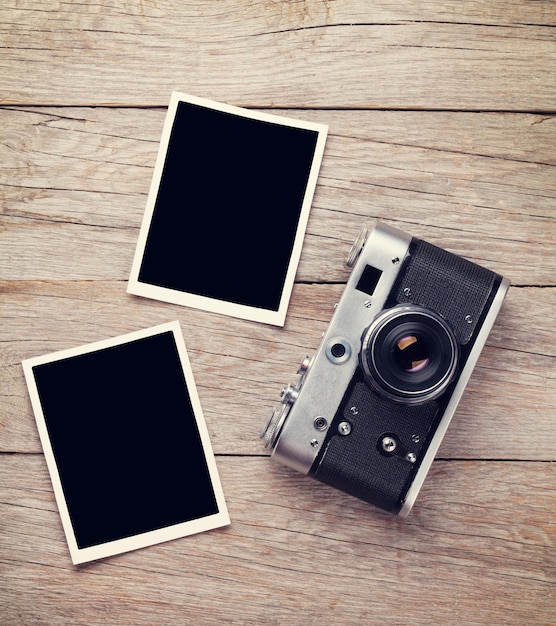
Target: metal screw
<point x="354" y="410"/>
<point x="320" y="423"/>
<point x="415" y="438"/>
<point x="407" y="292"/>
<point x="367" y="304"/>
<point x="344" y="428"/>
<point x="410" y="457"/>
<point x="389" y="444"/>
<point x="396" y="260"/>
<point x="469" y="319"/>
<point x="314" y="443"/>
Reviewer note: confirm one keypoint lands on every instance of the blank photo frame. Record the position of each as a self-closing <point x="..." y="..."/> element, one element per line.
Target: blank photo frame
<point x="227" y="209"/>
<point x="125" y="442"/>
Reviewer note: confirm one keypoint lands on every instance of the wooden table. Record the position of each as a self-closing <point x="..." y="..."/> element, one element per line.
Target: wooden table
<point x="442" y="123"/>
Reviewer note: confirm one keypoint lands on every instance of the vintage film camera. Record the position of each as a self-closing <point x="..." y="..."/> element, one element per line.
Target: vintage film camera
<point x="371" y="407"/>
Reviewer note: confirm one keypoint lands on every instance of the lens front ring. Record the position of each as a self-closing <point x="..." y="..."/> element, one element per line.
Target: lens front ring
<point x="409" y="354"/>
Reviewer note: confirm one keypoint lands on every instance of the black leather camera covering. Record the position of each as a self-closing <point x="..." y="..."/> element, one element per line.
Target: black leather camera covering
<point x="452" y="286"/>
<point x="353" y="463"/>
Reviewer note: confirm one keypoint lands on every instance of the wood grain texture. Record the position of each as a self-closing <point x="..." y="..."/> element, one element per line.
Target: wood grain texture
<point x="288" y="557"/>
<point x="441" y="122"/>
<point x="241" y="366"/>
<point x="448" y="178"/>
<point x="311" y="53"/>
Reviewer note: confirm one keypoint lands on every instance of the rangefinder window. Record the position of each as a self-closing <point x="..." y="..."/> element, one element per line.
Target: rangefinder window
<point x="369" y="280"/>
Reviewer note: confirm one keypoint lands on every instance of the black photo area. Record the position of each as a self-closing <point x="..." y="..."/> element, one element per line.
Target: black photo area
<point x="125" y="440"/>
<point x="228" y="207"/>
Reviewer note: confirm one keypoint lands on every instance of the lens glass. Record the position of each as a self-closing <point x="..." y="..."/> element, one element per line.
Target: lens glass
<point x="411" y="353"/>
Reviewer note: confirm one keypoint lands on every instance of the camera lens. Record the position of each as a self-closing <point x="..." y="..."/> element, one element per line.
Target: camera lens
<point x="409" y="354"/>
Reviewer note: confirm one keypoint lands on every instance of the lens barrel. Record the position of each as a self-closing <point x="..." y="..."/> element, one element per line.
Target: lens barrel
<point x="409" y="354"/>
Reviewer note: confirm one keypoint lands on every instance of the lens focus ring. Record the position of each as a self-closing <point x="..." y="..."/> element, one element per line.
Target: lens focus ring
<point x="409" y="354"/>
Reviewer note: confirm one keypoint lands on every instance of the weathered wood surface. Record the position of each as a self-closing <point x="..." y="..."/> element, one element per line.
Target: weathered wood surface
<point x="495" y="55"/>
<point x="481" y="185"/>
<point x="297" y="554"/>
<point x="442" y="122"/>
<point x="240" y="367"/>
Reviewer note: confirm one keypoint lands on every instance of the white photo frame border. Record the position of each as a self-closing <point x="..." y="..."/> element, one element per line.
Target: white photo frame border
<point x="214" y="305"/>
<point x="143" y="539"/>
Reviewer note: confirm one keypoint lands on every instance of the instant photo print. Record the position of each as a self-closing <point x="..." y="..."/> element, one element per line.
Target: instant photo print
<point x="125" y="443"/>
<point x="227" y="209"/>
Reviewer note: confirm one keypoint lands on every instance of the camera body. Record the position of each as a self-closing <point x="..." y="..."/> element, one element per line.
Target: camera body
<point x="370" y="408"/>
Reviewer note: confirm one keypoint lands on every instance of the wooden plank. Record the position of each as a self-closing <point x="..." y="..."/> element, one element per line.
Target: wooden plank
<point x="240" y="367"/>
<point x="74" y="182"/>
<point x="477" y="549"/>
<point x="434" y="55"/>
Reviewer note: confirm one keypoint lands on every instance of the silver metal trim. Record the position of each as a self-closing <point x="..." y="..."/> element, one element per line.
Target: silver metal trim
<point x="299" y="443"/>
<point x="338" y="341"/>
